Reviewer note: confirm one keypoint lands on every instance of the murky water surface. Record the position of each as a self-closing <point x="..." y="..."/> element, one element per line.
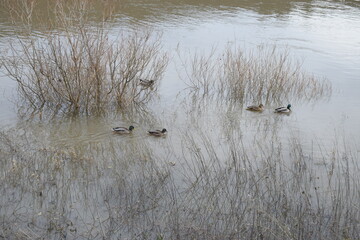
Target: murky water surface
<point x="323" y="35"/>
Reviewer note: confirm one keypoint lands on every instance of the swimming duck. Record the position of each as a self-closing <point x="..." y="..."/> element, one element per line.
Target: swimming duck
<point x="123" y="130"/>
<point x="255" y="108"/>
<point x="158" y="133"/>
<point x="146" y="83"/>
<point x="283" y="109"/>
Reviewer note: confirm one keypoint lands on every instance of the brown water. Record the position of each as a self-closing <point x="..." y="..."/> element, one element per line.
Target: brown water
<point x="324" y="35"/>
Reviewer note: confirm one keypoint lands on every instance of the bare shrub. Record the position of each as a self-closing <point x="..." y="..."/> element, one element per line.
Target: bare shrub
<point x="265" y="75"/>
<point x="82" y="68"/>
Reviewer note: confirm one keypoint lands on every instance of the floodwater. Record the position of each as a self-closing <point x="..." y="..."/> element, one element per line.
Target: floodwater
<point x="323" y="35"/>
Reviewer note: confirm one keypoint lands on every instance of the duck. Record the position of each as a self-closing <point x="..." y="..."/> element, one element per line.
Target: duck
<point x="157" y="133"/>
<point x="283" y="109"/>
<point x="255" y="108"/>
<point x="123" y="130"/>
<point x="146" y="83"/>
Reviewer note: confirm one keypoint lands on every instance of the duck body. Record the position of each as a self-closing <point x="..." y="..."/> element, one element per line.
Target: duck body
<point x="255" y="108"/>
<point x="123" y="130"/>
<point x="283" y="109"/>
<point x="146" y="83"/>
<point x="158" y="133"/>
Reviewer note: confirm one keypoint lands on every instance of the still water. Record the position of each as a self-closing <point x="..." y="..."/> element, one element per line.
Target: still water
<point x="71" y="175"/>
<point x="323" y="35"/>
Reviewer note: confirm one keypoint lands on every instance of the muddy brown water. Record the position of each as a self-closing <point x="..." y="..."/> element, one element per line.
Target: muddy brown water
<point x="323" y="35"/>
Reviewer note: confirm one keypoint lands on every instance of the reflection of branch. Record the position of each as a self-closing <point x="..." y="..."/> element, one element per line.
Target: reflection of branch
<point x="115" y="188"/>
<point x="20" y="11"/>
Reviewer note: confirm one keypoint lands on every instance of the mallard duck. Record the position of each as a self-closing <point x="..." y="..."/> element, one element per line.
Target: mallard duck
<point x="157" y="133"/>
<point x="255" y="108"/>
<point x="283" y="109"/>
<point x="123" y="130"/>
<point x="146" y="83"/>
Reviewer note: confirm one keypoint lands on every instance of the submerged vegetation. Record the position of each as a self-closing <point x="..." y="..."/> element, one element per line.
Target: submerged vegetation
<point x="268" y="191"/>
<point x="218" y="177"/>
<point x="82" y="68"/>
<point x="265" y="74"/>
<point x="77" y="66"/>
